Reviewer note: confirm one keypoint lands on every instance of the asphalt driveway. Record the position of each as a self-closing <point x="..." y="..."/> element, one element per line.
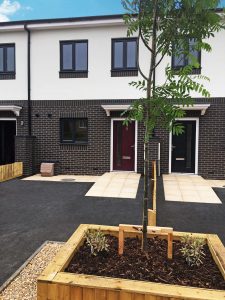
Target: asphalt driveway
<point x="32" y="212"/>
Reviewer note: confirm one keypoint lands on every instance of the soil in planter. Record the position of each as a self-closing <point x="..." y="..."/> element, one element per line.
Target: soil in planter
<point x="154" y="266"/>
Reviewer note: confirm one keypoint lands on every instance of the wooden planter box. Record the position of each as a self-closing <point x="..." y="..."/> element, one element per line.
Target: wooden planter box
<point x="55" y="284"/>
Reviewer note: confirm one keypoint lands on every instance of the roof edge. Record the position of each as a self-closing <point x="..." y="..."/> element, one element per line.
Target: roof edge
<point x="73" y="19"/>
<point x="62" y="20"/>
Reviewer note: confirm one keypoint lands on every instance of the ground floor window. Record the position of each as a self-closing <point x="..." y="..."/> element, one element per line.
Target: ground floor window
<point x="74" y="130"/>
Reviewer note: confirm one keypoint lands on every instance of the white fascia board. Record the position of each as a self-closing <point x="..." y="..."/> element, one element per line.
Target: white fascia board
<point x="202" y="107"/>
<point x="11" y="28"/>
<point x="59" y="25"/>
<point x="15" y="109"/>
<point x="119" y="107"/>
<point x="80" y="24"/>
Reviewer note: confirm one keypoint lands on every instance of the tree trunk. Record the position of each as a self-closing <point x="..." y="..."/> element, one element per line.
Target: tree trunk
<point x="148" y="133"/>
<point x="146" y="188"/>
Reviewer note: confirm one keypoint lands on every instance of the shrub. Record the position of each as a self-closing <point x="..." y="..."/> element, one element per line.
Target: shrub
<point x="97" y="241"/>
<point x="193" y="250"/>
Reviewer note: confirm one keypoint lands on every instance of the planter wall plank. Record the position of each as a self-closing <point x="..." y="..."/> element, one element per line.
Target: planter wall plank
<point x="52" y="291"/>
<point x="55" y="284"/>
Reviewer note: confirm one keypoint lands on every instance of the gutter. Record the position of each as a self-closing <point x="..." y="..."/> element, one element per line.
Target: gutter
<point x="29" y="113"/>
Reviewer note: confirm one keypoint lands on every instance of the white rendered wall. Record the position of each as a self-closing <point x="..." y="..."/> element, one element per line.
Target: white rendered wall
<point x="213" y="66"/>
<point x="16" y="89"/>
<point x="45" y="66"/>
<point x="46" y="83"/>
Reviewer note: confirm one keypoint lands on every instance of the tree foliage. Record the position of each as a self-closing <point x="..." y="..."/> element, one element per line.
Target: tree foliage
<point x="166" y="27"/>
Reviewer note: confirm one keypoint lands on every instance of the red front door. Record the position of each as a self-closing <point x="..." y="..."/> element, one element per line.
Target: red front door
<point x="123" y="146"/>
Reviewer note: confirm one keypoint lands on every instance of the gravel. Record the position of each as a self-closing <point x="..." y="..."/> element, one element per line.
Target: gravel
<point x="24" y="286"/>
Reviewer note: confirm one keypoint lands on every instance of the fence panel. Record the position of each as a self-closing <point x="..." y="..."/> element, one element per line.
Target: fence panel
<point x="11" y="171"/>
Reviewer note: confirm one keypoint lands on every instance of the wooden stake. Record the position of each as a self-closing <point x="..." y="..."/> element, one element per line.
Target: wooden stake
<point x="170" y="246"/>
<point x="150" y="230"/>
<point x="121" y="240"/>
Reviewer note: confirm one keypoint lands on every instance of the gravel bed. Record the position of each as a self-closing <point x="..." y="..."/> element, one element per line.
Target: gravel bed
<point x="24" y="286"/>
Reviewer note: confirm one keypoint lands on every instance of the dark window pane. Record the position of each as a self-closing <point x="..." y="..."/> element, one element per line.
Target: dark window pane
<point x="131" y="54"/>
<point x="192" y="50"/>
<point x="10" y="59"/>
<point x="67" y="130"/>
<point x="1" y="60"/>
<point x="67" y="57"/>
<point x="81" y="56"/>
<point x="81" y="129"/>
<point x="179" y="60"/>
<point x="118" y="55"/>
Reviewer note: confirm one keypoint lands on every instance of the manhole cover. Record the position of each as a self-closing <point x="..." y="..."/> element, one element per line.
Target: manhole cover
<point x="68" y="179"/>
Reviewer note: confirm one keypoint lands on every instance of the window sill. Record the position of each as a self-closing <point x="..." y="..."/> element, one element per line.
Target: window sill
<point x="63" y="74"/>
<point x="124" y="73"/>
<point x="7" y="76"/>
<point x="74" y="144"/>
<point x="194" y="71"/>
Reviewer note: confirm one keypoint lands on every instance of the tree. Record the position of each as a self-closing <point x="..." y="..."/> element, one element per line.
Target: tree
<point x="166" y="27"/>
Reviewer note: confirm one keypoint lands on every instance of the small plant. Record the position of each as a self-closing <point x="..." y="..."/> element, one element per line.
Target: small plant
<point x="192" y="250"/>
<point x="97" y="241"/>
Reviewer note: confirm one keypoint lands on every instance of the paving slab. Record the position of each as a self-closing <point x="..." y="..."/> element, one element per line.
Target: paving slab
<point x="116" y="185"/>
<point x="62" y="178"/>
<point x="189" y="188"/>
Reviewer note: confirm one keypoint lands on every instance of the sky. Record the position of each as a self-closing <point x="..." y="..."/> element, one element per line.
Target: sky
<point x="13" y="10"/>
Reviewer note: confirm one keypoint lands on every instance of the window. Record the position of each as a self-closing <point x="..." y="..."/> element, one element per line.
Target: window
<point x="124" y="57"/>
<point x="74" y="131"/>
<point x="74" y="59"/>
<point x="181" y="60"/>
<point x="7" y="61"/>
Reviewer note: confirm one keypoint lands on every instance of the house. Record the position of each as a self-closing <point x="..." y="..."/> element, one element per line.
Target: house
<point x="64" y="84"/>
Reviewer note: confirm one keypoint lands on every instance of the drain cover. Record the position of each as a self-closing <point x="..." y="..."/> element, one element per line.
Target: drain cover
<point x="68" y="179"/>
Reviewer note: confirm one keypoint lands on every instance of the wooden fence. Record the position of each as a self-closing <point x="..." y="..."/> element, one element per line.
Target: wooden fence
<point x="11" y="171"/>
<point x="153" y="186"/>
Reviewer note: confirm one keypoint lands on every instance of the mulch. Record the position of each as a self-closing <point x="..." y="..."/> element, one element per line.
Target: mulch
<point x="152" y="266"/>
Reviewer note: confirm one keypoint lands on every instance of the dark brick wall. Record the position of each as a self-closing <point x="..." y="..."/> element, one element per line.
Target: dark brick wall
<point x="94" y="158"/>
<point x="25" y="152"/>
<point x="211" y="162"/>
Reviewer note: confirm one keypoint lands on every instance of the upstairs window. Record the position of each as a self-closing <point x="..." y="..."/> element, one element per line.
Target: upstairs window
<point x="124" y="57"/>
<point x="74" y="131"/>
<point x="182" y="60"/>
<point x="7" y="61"/>
<point x="74" y="59"/>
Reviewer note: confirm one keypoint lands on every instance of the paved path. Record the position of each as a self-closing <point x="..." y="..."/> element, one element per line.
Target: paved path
<point x="116" y="184"/>
<point x="63" y="178"/>
<point x="189" y="188"/>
